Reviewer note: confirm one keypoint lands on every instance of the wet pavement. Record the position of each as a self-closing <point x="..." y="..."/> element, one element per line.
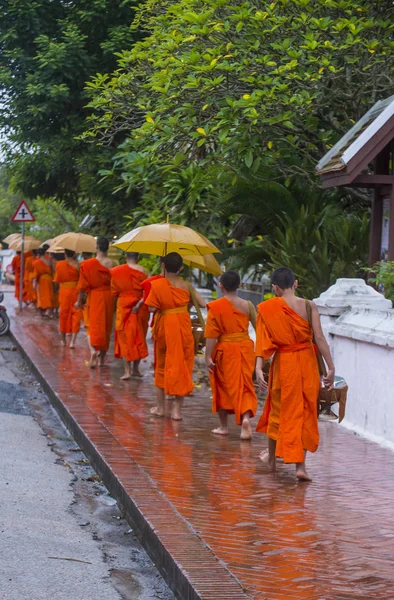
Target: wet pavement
<point x="232" y="529"/>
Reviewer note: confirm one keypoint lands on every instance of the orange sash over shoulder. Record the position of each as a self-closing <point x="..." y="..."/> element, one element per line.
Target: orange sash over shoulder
<point x="174" y="343"/>
<point x="234" y="358"/>
<point x="290" y="411"/>
<point x="130" y="328"/>
<point x="95" y="280"/>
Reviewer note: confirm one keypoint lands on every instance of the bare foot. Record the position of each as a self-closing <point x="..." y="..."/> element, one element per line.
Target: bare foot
<point x="125" y="377"/>
<point x="158" y="412"/>
<point x="302" y="475"/>
<point x="220" y="431"/>
<point x="137" y="373"/>
<point x="72" y="345"/>
<point x="176" y="414"/>
<point x="62" y="343"/>
<point x="246" y="430"/>
<point x="93" y="360"/>
<point x="266" y="460"/>
<point x="102" y="354"/>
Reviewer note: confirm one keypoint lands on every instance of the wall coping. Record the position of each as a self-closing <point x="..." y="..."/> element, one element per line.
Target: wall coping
<point x="348" y="293"/>
<point x="368" y="325"/>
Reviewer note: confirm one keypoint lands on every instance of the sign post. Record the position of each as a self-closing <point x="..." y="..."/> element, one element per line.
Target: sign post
<point x="22" y="215"/>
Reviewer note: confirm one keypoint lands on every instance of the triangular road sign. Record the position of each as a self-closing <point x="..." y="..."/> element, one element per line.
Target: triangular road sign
<point x="23" y="214"/>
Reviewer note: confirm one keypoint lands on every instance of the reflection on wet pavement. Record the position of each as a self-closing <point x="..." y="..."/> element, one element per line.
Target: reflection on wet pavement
<point x="282" y="540"/>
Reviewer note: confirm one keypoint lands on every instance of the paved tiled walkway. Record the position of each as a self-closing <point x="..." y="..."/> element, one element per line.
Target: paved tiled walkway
<point x="279" y="539"/>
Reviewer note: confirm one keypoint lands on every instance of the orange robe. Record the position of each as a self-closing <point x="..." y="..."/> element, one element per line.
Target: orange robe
<point x="67" y="277"/>
<point x="172" y="334"/>
<point x="290" y="411"/>
<point x="16" y="267"/>
<point x="146" y="286"/>
<point x="234" y="358"/>
<point x="95" y="280"/>
<point x="28" y="279"/>
<point x="44" y="277"/>
<point x="130" y="328"/>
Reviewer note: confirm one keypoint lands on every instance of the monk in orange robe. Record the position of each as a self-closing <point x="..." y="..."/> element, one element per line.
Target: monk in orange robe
<point x="230" y="357"/>
<point x="95" y="283"/>
<point x="85" y="309"/>
<point x="147" y="284"/>
<point x="132" y="315"/>
<point x="29" y="276"/>
<point x="67" y="277"/>
<point x="290" y="413"/>
<point x="170" y="297"/>
<point x="54" y="258"/>
<point x="43" y="278"/>
<point x="16" y="268"/>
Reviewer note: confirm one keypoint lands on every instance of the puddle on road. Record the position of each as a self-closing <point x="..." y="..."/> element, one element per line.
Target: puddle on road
<point x="125" y="584"/>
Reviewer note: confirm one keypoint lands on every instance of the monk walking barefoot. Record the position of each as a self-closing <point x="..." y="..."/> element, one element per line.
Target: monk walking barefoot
<point x="230" y="357"/>
<point x="290" y="412"/>
<point x="158" y="410"/>
<point x="132" y="315"/>
<point x="66" y="277"/>
<point x="42" y="282"/>
<point x="169" y="298"/>
<point x="223" y="418"/>
<point x="94" y="288"/>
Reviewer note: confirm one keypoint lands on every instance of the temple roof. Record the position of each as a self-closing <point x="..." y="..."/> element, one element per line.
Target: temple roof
<point x="362" y="142"/>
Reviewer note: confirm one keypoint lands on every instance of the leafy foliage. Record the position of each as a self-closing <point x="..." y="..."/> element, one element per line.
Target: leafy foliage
<point x="52" y="217"/>
<point x="382" y="275"/>
<point x="304" y="232"/>
<point x="48" y="50"/>
<point x="8" y="205"/>
<point x="242" y="84"/>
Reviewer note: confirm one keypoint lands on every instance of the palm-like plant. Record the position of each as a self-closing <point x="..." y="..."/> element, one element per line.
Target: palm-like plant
<point x="298" y="228"/>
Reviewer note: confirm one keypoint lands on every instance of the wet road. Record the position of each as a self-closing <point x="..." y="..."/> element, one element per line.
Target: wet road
<point x="280" y="539"/>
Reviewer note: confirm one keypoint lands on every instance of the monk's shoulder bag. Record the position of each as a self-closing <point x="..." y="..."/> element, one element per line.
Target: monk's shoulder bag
<point x="327" y="398"/>
<point x="198" y="322"/>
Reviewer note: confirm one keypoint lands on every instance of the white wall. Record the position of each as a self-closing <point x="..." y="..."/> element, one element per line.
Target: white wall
<point x="369" y="371"/>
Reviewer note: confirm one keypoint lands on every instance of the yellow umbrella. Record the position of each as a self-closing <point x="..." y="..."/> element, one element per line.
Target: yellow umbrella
<point x="12" y="237"/>
<point x="55" y="250"/>
<point x="30" y="244"/>
<point x="206" y="263"/>
<point x="46" y="243"/>
<point x="162" y="238"/>
<point x="77" y="242"/>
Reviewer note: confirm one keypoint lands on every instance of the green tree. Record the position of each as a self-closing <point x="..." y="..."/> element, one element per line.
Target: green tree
<point x="48" y="50"/>
<point x="242" y="84"/>
<point x="52" y="217"/>
<point x="299" y="228"/>
<point x="8" y="205"/>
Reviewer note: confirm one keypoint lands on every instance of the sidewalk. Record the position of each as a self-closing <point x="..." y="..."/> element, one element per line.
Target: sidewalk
<point x="216" y="523"/>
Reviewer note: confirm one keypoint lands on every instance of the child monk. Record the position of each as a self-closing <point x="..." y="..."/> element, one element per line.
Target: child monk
<point x="67" y="276"/>
<point x="230" y="357"/>
<point x="169" y="298"/>
<point x="290" y="413"/>
<point x="132" y="315"/>
<point x="95" y="283"/>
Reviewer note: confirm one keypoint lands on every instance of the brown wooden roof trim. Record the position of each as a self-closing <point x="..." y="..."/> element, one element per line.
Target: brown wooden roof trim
<point x="346" y="175"/>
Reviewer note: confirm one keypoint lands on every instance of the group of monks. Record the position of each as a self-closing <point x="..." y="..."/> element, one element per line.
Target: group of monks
<point x="94" y="291"/>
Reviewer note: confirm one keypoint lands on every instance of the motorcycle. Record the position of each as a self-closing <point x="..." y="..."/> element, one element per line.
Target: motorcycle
<point x="4" y="318"/>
